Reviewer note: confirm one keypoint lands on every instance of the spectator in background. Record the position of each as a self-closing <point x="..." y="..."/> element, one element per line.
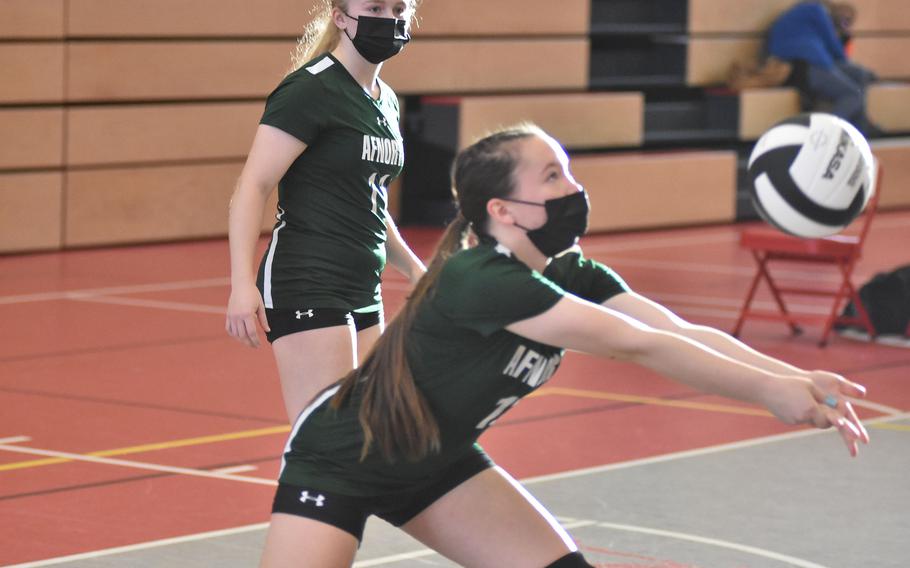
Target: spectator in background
<point x="811" y="37"/>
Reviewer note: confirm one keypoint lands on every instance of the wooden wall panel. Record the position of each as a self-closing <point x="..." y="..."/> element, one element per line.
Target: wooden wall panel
<point x="643" y="190"/>
<point x="182" y="70"/>
<point x="739" y="16"/>
<point x="31" y="19"/>
<point x="709" y="59"/>
<point x="503" y="17"/>
<point x="132" y="205"/>
<point x="884" y="55"/>
<point x="32" y="72"/>
<point x="894" y="155"/>
<point x="151" y="133"/>
<point x="459" y="66"/>
<point x="760" y="109"/>
<point x="32" y="138"/>
<point x="30" y="211"/>
<point x="183" y="18"/>
<point x="888" y="105"/>
<point x="881" y="15"/>
<point x="101" y="71"/>
<point x="232" y="18"/>
<point x="577" y="120"/>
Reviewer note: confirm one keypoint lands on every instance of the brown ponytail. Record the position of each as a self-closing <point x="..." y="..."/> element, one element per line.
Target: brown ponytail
<point x="394" y="414"/>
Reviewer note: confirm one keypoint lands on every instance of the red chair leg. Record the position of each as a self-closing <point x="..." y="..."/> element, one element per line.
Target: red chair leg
<point x="749" y="296"/>
<point x="778" y="297"/>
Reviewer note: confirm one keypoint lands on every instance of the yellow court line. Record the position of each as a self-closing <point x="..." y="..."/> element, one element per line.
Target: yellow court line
<point x="651" y="400"/>
<point x="157" y="446"/>
<point x="887" y="426"/>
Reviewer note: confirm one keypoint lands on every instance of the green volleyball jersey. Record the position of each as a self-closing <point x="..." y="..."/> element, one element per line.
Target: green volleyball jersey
<point x="328" y="244"/>
<point x="467" y="365"/>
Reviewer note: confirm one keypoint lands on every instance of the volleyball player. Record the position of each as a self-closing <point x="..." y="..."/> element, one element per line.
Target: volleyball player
<point x="329" y="138"/>
<point x="486" y="326"/>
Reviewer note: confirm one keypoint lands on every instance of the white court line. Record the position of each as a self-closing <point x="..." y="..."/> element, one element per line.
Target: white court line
<point x="428" y="552"/>
<point x="574" y="524"/>
<point x="100" y="294"/>
<point x="401" y="285"/>
<point x="753" y="550"/>
<point x="141" y="546"/>
<point x="604" y="247"/>
<point x="15" y="439"/>
<point x="394" y="558"/>
<point x="884" y="409"/>
<point x="138" y="465"/>
<point x="236" y="469"/>
<point x="702" y="451"/>
<point x="141" y="303"/>
<point x="137" y="289"/>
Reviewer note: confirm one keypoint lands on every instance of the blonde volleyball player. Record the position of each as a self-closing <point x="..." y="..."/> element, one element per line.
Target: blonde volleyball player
<point x="329" y="139"/>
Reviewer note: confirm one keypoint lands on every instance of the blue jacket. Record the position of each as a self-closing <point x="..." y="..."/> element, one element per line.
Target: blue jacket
<point x="806" y="32"/>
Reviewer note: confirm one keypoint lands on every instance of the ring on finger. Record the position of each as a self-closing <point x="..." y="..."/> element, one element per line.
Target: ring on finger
<point x="831" y="400"/>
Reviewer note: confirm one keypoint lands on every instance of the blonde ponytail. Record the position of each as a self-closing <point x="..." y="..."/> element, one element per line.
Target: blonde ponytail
<point x="319" y="36"/>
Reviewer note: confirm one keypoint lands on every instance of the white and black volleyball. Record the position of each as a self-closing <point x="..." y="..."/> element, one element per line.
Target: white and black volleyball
<point x="811" y="174"/>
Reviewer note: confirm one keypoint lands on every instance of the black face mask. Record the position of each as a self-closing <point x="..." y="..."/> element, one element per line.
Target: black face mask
<point x="567" y="220"/>
<point x="379" y="39"/>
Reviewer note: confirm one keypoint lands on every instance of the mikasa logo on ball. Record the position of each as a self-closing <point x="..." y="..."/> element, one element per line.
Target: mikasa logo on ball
<point x="839" y="153"/>
<point x="811" y="175"/>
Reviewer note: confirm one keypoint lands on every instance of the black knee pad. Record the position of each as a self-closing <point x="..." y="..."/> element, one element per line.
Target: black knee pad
<point x="571" y="560"/>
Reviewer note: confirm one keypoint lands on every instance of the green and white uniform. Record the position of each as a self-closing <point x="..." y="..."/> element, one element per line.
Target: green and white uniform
<point x="328" y="244"/>
<point x="464" y="361"/>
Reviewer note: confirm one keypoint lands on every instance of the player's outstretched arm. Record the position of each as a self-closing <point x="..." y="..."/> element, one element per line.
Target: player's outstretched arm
<point x="658" y="316"/>
<point x="576" y="324"/>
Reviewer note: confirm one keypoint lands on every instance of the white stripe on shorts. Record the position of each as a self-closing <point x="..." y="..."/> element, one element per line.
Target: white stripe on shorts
<point x="267" y="271"/>
<point x="301" y="419"/>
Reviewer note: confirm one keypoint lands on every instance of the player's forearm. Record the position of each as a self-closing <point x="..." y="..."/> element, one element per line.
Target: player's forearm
<point x="400" y="254"/>
<point x="703" y="368"/>
<point x="244" y="227"/>
<point x="736" y="349"/>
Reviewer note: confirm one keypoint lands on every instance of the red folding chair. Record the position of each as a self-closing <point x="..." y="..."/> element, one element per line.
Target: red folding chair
<point x="843" y="251"/>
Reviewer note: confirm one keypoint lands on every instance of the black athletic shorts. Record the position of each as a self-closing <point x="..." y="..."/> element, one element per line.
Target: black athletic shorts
<point x="286" y="322"/>
<point x="350" y="513"/>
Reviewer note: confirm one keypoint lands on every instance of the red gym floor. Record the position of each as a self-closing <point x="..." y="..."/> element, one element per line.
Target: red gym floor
<point x="129" y="416"/>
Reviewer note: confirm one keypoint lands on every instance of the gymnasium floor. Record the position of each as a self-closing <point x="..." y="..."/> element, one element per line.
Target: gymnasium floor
<point x="135" y="433"/>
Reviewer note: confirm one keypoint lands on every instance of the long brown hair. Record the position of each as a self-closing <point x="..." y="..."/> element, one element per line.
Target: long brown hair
<point x="320" y="35"/>
<point x="394" y="414"/>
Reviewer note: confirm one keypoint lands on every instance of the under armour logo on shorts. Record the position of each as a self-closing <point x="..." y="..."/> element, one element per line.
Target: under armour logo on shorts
<point x="319" y="499"/>
<point x="308" y="313"/>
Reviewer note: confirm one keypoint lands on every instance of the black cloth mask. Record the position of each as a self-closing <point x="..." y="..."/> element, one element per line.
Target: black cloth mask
<point x="379" y="39"/>
<point x="567" y="220"/>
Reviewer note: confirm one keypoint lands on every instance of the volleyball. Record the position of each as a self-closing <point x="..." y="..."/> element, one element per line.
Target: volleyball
<point x="811" y="175"/>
